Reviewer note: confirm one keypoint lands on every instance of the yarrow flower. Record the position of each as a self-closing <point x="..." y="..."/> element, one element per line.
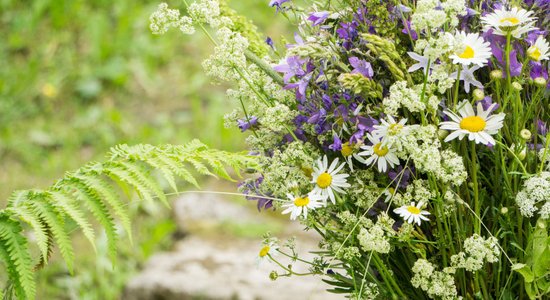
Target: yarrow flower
<point x="515" y="21"/>
<point x="472" y="49"/>
<point x="379" y="154"/>
<point x="299" y="205"/>
<point x="478" y="127"/>
<point x="327" y="180"/>
<point x="540" y="50"/>
<point x="412" y="213"/>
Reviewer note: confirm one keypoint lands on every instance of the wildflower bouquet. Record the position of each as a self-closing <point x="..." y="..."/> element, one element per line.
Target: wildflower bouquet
<point x="412" y="136"/>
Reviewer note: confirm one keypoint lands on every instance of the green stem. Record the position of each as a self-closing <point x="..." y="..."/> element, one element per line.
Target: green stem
<point x="260" y="63"/>
<point x="477" y="206"/>
<point x="457" y="85"/>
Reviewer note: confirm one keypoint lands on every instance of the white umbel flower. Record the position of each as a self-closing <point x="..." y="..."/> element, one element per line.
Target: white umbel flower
<point x="327" y="180"/>
<point x="412" y="213"/>
<point x="299" y="205"/>
<point x="515" y="21"/>
<point x="380" y="154"/>
<point x="540" y="50"/>
<point x="471" y="49"/>
<point x="478" y="128"/>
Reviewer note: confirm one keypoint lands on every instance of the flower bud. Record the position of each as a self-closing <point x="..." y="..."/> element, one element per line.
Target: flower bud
<point x="541" y="224"/>
<point x="540" y="82"/>
<point x="442" y="133"/>
<point x="504" y="210"/>
<point x="525" y="134"/>
<point x="273" y="275"/>
<point x="517" y="86"/>
<point x="479" y="94"/>
<point x="522" y="154"/>
<point x="496" y="74"/>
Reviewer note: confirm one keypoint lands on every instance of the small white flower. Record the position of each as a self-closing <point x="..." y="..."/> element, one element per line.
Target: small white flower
<point x="348" y="152"/>
<point x="471" y="49"/>
<point x="267" y="251"/>
<point x="412" y="213"/>
<point x="467" y="75"/>
<point x="478" y="128"/>
<point x="390" y="130"/>
<point x="515" y="21"/>
<point x="422" y="62"/>
<point x="327" y="180"/>
<point x="540" y="50"/>
<point x="300" y="205"/>
<point x="380" y="154"/>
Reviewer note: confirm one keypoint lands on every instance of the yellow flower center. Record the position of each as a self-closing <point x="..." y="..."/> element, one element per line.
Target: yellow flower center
<point x="380" y="150"/>
<point x="413" y="210"/>
<point x="347" y="150"/>
<point x="468" y="53"/>
<point x="473" y="124"/>
<point x="394" y="129"/>
<point x="534" y="53"/>
<point x="301" y="201"/>
<point x="324" y="180"/>
<point x="264" y="251"/>
<point x="511" y="20"/>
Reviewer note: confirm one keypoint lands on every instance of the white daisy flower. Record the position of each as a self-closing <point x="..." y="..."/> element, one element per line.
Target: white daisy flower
<point x="299" y="205"/>
<point x="412" y="213"/>
<point x="478" y="128"/>
<point x="467" y="75"/>
<point x="379" y="153"/>
<point x="515" y="21"/>
<point x="327" y="180"/>
<point x="388" y="193"/>
<point x="267" y="251"/>
<point x="540" y="50"/>
<point x="390" y="130"/>
<point x="471" y="49"/>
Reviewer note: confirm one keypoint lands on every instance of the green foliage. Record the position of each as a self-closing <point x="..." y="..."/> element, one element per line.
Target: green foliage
<point x="92" y="189"/>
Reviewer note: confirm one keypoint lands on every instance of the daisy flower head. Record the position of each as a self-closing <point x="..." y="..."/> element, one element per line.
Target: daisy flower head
<point x="327" y="180"/>
<point x="390" y="130"/>
<point x="514" y="21"/>
<point x="540" y="50"/>
<point x="478" y="127"/>
<point x="412" y="213"/>
<point x="298" y="206"/>
<point x="471" y="49"/>
<point x="380" y="154"/>
<point x="268" y="250"/>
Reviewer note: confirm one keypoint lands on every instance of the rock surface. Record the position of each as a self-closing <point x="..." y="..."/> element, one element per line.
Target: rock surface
<point x="205" y="266"/>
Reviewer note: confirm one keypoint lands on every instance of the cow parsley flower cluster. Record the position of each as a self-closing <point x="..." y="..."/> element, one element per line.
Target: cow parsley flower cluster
<point x="400" y="132"/>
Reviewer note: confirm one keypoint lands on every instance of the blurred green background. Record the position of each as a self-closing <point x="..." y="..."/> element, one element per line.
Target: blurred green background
<point x="78" y="77"/>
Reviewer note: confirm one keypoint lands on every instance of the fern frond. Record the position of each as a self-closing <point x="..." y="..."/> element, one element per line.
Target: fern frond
<point x="101" y="213"/>
<point x="93" y="188"/>
<point x="18" y="206"/>
<point x="100" y="187"/>
<point x="68" y="205"/>
<point x="16" y="255"/>
<point x="57" y="226"/>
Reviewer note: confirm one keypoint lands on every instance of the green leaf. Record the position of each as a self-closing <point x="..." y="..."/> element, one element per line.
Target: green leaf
<point x="524" y="270"/>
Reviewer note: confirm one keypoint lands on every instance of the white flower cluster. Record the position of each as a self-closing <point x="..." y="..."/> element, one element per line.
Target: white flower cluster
<point x="283" y="173"/>
<point x="374" y="239"/>
<point x="228" y="58"/>
<point x="165" y="18"/>
<point x="205" y="11"/>
<point x="438" y="284"/>
<point x="440" y="75"/>
<point x="544" y="155"/>
<point x="427" y="17"/>
<point x="402" y="96"/>
<point x="436" y="47"/>
<point x="477" y="251"/>
<point x="452" y="168"/>
<point x="370" y="292"/>
<point x="278" y="117"/>
<point x="535" y="196"/>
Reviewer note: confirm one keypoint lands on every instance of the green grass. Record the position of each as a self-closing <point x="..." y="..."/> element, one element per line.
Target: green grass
<point x="78" y="77"/>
